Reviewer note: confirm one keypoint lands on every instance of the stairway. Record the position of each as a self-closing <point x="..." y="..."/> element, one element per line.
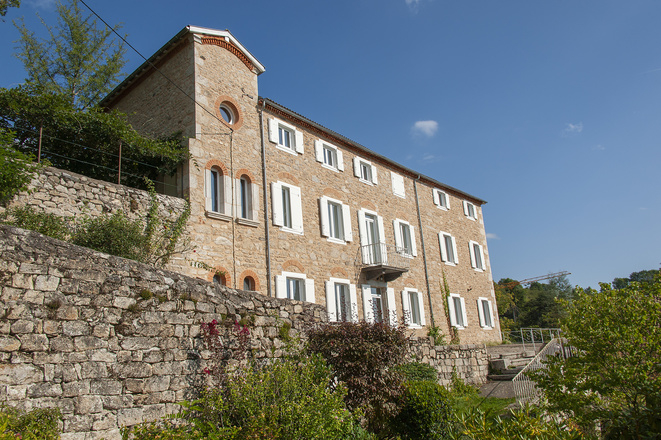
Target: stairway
<point x="505" y="362"/>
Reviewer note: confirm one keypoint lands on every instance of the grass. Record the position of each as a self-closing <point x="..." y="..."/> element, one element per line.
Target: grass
<point x="467" y="403"/>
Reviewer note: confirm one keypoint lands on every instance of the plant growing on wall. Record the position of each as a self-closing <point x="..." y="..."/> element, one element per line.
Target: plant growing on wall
<point x="445" y="293"/>
<point x="16" y="168"/>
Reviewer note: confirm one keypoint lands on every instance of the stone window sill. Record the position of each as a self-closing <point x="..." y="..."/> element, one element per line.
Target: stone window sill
<point x="219" y="216"/>
<point x="247" y="222"/>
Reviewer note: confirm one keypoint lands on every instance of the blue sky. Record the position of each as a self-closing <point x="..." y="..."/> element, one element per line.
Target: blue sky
<point x="549" y="110"/>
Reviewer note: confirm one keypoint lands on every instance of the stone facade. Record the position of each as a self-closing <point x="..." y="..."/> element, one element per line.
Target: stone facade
<point x="113" y="342"/>
<point x="248" y="152"/>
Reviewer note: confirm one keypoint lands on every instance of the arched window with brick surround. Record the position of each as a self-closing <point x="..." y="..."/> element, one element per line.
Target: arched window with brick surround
<point x="217" y="189"/>
<point x="247" y="197"/>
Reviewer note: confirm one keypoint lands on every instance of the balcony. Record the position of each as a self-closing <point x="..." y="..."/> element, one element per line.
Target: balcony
<point x="384" y="261"/>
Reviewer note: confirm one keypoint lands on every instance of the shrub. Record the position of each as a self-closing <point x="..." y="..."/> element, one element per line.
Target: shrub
<point x="38" y="424"/>
<point x="425" y="413"/>
<point x="16" y="168"/>
<point x="48" y="224"/>
<point x="364" y="357"/>
<point x="418" y="371"/>
<point x="114" y="235"/>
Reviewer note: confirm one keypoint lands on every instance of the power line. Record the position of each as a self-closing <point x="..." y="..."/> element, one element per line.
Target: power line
<point x="153" y="66"/>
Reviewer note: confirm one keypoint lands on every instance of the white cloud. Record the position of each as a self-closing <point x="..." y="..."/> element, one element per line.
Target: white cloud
<point x="425" y="128"/>
<point x="413" y="4"/>
<point x="573" y="128"/>
<point x="492" y="236"/>
<point x="42" y="4"/>
<point x="598" y="148"/>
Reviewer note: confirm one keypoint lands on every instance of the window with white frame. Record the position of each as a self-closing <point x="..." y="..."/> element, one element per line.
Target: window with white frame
<point x="441" y="199"/>
<point x="457" y="309"/>
<point x="470" y="210"/>
<point x="379" y="304"/>
<point x="477" y="255"/>
<point x="287" y="207"/>
<point x="485" y="311"/>
<point x="372" y="238"/>
<point x="335" y="220"/>
<point x="448" y="248"/>
<point x="285" y="136"/>
<point x="398" y="185"/>
<point x="365" y="171"/>
<point x="329" y="155"/>
<point x="218" y="193"/>
<point x="294" y="286"/>
<point x="247" y="200"/>
<point x="404" y="238"/>
<point x="414" y="311"/>
<point x="341" y="302"/>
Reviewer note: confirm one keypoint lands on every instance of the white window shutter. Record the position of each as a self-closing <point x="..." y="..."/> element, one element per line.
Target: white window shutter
<point x="237" y="196"/>
<point x="465" y="208"/>
<point x="480" y="312"/>
<point x="276" y="197"/>
<point x="273" y="130"/>
<point x="330" y="301"/>
<point x="309" y="291"/>
<point x="447" y="201"/>
<point x="454" y="250"/>
<point x="353" y="297"/>
<point x="437" y="200"/>
<point x="463" y="312"/>
<point x="299" y="141"/>
<point x="323" y="216"/>
<point x="356" y="167"/>
<point x="364" y="241"/>
<point x="382" y="235"/>
<point x="493" y="323"/>
<point x="296" y="209"/>
<point x="280" y="286"/>
<point x="346" y="219"/>
<point x="471" y="250"/>
<point x="319" y="150"/>
<point x="423" y="321"/>
<point x="398" y="233"/>
<point x="392" y="307"/>
<point x="414" y="248"/>
<point x="406" y="307"/>
<point x="254" y="201"/>
<point x="207" y="190"/>
<point x="227" y="195"/>
<point x="441" y="244"/>
<point x="452" y="312"/>
<point x="375" y="179"/>
<point x="368" y="311"/>
<point x="340" y="161"/>
<point x="484" y="263"/>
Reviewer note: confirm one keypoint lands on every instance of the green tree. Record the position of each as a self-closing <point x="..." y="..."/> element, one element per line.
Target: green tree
<point x="643" y="276"/>
<point x="79" y="59"/>
<point x="6" y="4"/>
<point x="16" y="168"/>
<point x="614" y="379"/>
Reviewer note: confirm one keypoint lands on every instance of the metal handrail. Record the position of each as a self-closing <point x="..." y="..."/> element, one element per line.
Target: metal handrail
<point x="382" y="254"/>
<point x="532" y="335"/>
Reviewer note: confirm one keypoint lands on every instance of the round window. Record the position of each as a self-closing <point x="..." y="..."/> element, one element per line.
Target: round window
<point x="226" y="113"/>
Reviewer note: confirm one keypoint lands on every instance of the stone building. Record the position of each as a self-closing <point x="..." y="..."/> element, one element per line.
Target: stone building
<point x="286" y="207"/>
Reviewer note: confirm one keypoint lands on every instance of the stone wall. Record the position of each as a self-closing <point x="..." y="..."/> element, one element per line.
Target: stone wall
<point x="114" y="342"/>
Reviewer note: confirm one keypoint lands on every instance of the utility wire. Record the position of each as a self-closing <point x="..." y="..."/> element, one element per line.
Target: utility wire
<point x="153" y="66"/>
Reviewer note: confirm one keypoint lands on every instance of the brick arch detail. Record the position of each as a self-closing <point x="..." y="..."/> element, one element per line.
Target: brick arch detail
<point x="249" y="273"/>
<point x="410" y="283"/>
<point x="288" y="178"/>
<point x="402" y="216"/>
<point x="227" y="277"/>
<point x="234" y="106"/>
<point x="293" y="263"/>
<point x="245" y="172"/>
<point x="368" y="205"/>
<point x="333" y="193"/>
<point x="339" y="272"/>
<point x="221" y="42"/>
<point x="218" y="164"/>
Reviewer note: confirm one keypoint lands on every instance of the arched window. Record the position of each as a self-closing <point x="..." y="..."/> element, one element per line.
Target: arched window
<point x="248" y="283"/>
<point x="219" y="279"/>
<point x="217" y="185"/>
<point x="246" y="197"/>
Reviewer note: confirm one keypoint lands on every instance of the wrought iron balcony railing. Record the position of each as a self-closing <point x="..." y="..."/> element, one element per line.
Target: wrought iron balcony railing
<point x="383" y="259"/>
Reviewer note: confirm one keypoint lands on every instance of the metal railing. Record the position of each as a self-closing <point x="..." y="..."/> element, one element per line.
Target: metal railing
<point x="525" y="388"/>
<point x="381" y="254"/>
<point x="536" y="337"/>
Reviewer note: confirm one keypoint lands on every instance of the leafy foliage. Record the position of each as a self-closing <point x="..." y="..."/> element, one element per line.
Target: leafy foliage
<point x="86" y="142"/>
<point x="418" y="371"/>
<point x="38" y="424"/>
<point x="6" y="4"/>
<point x="44" y="223"/>
<point x="643" y="276"/>
<point x="16" y="168"/>
<point x="425" y="414"/>
<point x="364" y="357"/>
<point x="615" y="378"/>
<point x="80" y="60"/>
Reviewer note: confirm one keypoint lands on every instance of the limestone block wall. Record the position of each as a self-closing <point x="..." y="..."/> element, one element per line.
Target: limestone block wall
<point x="113" y="342"/>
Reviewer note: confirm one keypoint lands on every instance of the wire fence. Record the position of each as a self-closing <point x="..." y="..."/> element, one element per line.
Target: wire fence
<point x="533" y="337"/>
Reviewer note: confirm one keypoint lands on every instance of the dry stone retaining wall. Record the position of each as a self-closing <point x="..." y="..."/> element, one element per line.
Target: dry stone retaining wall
<point x="113" y="342"/>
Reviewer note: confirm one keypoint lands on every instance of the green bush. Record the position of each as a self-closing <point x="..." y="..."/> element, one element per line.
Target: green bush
<point x="16" y="168"/>
<point x="114" y="235"/>
<point x="418" y="371"/>
<point x="425" y="414"/>
<point x="38" y="424"/>
<point x="27" y="218"/>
